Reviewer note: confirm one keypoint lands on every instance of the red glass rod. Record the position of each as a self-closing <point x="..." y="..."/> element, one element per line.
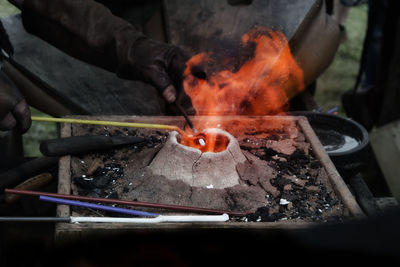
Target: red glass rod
<point x="131" y="203"/>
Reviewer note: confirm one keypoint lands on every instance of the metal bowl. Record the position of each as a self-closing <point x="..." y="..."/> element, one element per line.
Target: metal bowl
<point x="345" y="140"/>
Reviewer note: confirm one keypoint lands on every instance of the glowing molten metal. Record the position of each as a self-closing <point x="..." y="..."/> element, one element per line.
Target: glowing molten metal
<point x="213" y="142"/>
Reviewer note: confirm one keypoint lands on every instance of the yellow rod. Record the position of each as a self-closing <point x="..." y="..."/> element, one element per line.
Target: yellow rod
<point x="110" y="123"/>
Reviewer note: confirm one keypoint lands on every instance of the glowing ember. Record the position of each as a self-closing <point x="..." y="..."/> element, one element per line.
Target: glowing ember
<point x="263" y="85"/>
<point x="210" y="142"/>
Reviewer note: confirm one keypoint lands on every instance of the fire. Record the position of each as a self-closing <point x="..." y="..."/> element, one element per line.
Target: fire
<point x="262" y="85"/>
<point x="212" y="142"/>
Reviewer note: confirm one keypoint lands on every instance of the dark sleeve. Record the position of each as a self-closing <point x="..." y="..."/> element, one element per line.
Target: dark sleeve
<point x="83" y="29"/>
<point x="5" y="43"/>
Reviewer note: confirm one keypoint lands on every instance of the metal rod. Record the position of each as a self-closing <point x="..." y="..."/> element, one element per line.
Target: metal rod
<point x="158" y="219"/>
<point x="35" y="219"/>
<point x="96" y="206"/>
<point x="131" y="203"/>
<point x="188" y="120"/>
<point x="110" y="123"/>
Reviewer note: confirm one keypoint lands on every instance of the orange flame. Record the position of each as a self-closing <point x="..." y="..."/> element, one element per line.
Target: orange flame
<point x="263" y="85"/>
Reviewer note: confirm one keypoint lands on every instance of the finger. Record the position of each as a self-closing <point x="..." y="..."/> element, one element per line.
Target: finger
<point x="8" y="122"/>
<point x="9" y="95"/>
<point x="23" y="115"/>
<point x="169" y="94"/>
<point x="162" y="82"/>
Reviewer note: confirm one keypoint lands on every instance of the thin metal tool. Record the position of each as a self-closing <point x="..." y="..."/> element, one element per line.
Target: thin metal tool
<point x="35" y="219"/>
<point x="131" y="203"/>
<point x="158" y="219"/>
<point x="189" y="122"/>
<point x="96" y="206"/>
<point x="201" y="140"/>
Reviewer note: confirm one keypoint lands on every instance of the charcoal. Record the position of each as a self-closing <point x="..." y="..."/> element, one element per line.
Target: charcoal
<point x="84" y="183"/>
<point x="101" y="181"/>
<point x="264" y="178"/>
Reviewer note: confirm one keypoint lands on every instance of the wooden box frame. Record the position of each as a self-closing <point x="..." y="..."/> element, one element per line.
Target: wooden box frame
<point x="67" y="231"/>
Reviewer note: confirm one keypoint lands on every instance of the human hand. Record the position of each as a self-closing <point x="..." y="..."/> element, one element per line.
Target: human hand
<point x="14" y="111"/>
<point x="161" y="65"/>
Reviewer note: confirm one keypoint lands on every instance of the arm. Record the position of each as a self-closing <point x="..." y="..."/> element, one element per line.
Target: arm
<point x="14" y="111"/>
<point x="89" y="31"/>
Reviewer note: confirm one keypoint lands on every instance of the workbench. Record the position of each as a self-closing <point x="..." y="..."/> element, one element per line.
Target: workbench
<point x="68" y="167"/>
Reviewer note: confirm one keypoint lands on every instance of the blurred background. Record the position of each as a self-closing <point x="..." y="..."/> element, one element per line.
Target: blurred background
<point x="338" y="78"/>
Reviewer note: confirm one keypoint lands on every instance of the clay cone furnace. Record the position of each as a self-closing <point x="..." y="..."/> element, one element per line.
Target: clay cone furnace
<point x="176" y="161"/>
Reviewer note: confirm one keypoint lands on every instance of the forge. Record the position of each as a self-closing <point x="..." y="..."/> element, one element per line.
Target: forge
<point x="211" y="165"/>
<point x="285" y="177"/>
<point x="273" y="166"/>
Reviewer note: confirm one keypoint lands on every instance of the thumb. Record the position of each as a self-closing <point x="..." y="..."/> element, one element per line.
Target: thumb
<point x="23" y="115"/>
<point x="163" y="84"/>
<point x="169" y="94"/>
<point x="8" y="122"/>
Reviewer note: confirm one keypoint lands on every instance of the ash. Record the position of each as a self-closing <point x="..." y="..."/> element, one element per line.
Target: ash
<point x="281" y="179"/>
